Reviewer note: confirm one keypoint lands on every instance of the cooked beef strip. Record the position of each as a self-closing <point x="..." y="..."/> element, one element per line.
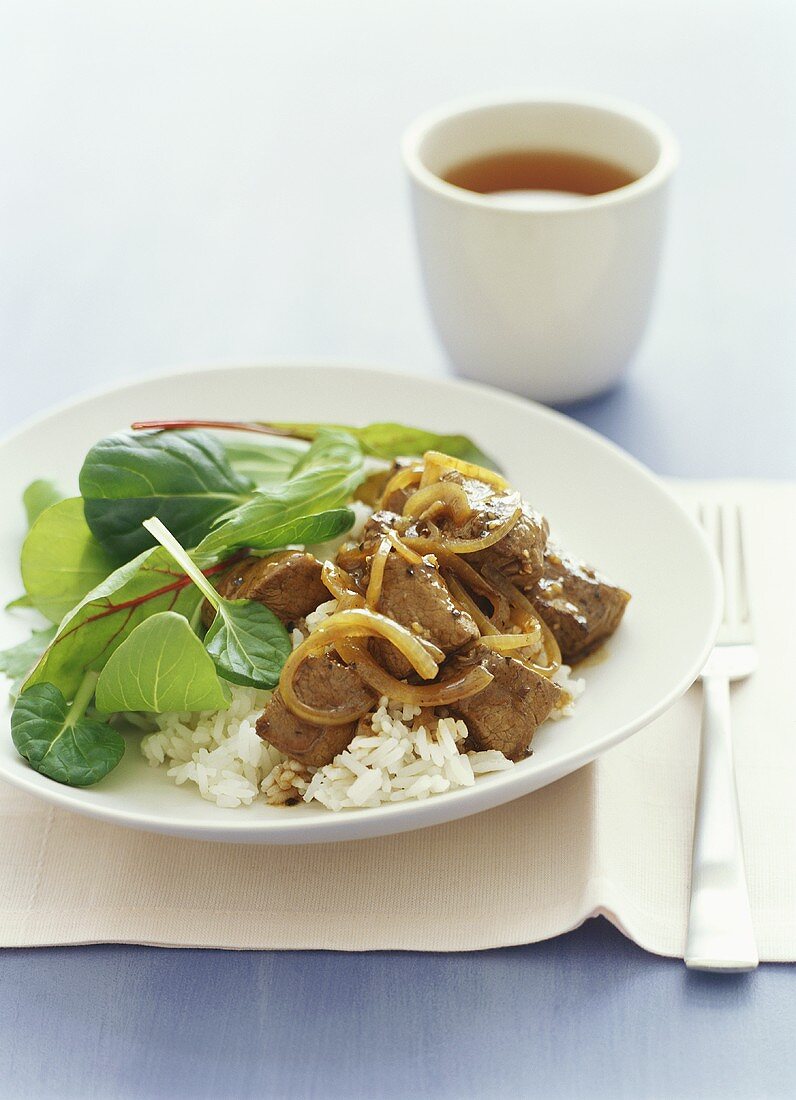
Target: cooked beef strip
<point x="506" y="714"/>
<point x="321" y="682"/>
<point x="302" y="741"/>
<point x="581" y="607"/>
<point x="378" y="525"/>
<point x="416" y="596"/>
<point x="519" y="555"/>
<point x="288" y="582"/>
<point x="352" y="556"/>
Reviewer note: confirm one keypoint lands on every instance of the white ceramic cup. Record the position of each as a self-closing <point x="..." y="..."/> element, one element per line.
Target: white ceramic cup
<point x="548" y="300"/>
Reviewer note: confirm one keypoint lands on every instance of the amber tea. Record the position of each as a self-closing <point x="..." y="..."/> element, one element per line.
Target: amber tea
<point x="548" y="170"/>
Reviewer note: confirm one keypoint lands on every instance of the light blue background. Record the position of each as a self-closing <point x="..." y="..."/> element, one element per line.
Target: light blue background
<point x="194" y="183"/>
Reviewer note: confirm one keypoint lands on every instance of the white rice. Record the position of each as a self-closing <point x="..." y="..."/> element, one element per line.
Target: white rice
<point x="219" y="751"/>
<point x="400" y="758"/>
<point x="316" y="617"/>
<point x="397" y="759"/>
<point x="573" y="689"/>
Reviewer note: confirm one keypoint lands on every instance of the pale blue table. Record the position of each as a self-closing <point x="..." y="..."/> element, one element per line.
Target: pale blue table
<point x="193" y="182"/>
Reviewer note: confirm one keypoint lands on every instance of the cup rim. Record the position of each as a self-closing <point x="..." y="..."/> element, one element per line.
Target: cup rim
<point x="668" y="156"/>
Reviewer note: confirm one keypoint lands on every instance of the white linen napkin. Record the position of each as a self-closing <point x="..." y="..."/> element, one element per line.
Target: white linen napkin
<point x="613" y="838"/>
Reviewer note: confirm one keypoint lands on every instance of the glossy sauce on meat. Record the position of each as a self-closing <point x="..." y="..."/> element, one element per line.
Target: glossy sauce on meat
<point x="580" y="607"/>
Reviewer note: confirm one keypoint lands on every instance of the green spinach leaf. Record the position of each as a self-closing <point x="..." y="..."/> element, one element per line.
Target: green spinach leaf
<point x="20" y="601"/>
<point x="322" y="481"/>
<point x="162" y="666"/>
<point x="248" y="643"/>
<point x="38" y="496"/>
<point x="183" y="478"/>
<point x="264" y="531"/>
<point x="264" y="466"/>
<point x="246" y="640"/>
<point x="389" y="441"/>
<point x="17" y="661"/>
<point x="61" y="560"/>
<point x="59" y="741"/>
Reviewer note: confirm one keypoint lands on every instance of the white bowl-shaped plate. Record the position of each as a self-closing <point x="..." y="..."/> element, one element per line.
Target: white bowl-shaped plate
<point x="600" y="503"/>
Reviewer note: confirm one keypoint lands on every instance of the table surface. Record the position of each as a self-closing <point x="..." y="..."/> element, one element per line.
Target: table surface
<point x="197" y="183"/>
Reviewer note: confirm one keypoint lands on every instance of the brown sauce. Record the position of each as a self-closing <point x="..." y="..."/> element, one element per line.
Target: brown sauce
<point x="591" y="660"/>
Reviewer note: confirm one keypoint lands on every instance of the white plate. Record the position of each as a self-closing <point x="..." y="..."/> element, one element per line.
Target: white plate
<point x="600" y="502"/>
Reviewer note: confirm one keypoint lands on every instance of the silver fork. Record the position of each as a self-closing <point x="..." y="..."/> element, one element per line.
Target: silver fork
<point x="720" y="931"/>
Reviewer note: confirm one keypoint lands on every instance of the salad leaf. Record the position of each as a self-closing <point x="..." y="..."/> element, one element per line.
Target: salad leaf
<point x="384" y="440"/>
<point x="246" y="640"/>
<point x="248" y="643"/>
<point x="38" y="496"/>
<point x="93" y="629"/>
<point x="334" y="453"/>
<point x="321" y="481"/>
<point x="61" y="560"/>
<point x="59" y="741"/>
<point x="389" y="441"/>
<point x="17" y="661"/>
<point x="184" y="478"/>
<point x="105" y="616"/>
<point x="20" y="601"/>
<point x="161" y="666"/>
<point x="262" y="465"/>
<point x="265" y="532"/>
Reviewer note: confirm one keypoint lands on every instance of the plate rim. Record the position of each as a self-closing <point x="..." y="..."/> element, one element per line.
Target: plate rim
<point x="393" y="817"/>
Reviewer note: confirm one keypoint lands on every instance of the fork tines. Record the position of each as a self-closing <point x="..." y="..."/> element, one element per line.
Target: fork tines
<point x="723" y="523"/>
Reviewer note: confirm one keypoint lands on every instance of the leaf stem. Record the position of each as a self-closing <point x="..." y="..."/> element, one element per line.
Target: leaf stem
<point x="222" y="425"/>
<point x="138" y="601"/>
<point x="161" y="533"/>
<point x="196" y="619"/>
<point x="83" y="696"/>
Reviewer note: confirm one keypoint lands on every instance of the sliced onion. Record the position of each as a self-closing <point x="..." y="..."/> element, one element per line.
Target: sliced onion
<point x="510" y="591"/>
<point x="470" y="577"/>
<point x="472" y="546"/>
<point x="378" y="564"/>
<point x="361" y="622"/>
<point x="436" y="463"/>
<point x="408" y="475"/>
<point x="523" y="604"/>
<point x="341" y="585"/>
<point x="465" y="600"/>
<point x="433" y="651"/>
<point x="355" y="622"/>
<point x="406" y="552"/>
<point x="460" y="686"/>
<point x="448" y="494"/>
<point x="338" y="716"/>
<point x="504" y="643"/>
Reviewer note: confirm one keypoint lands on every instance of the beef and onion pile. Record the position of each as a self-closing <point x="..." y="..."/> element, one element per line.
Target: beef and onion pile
<point x="453" y="598"/>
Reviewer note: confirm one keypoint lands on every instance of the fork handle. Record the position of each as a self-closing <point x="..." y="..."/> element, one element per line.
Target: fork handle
<point x="720" y="931"/>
